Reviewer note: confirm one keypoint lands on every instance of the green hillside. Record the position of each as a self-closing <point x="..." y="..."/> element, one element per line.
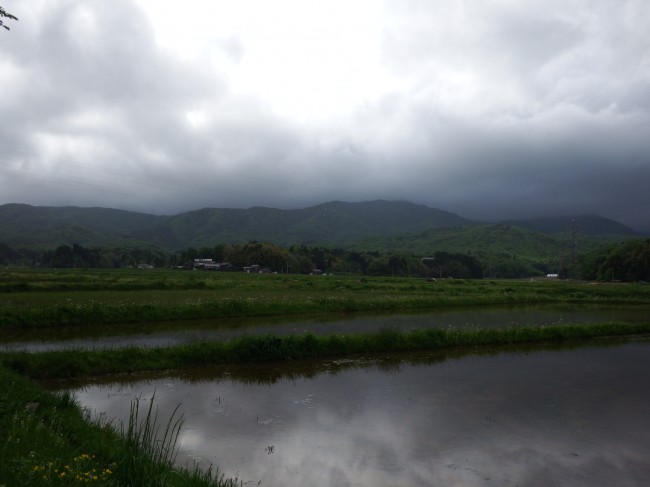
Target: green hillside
<point x="505" y="250"/>
<point x="390" y="227"/>
<point x="332" y="224"/>
<point x="591" y="225"/>
<point x="496" y="239"/>
<point x="47" y="227"/>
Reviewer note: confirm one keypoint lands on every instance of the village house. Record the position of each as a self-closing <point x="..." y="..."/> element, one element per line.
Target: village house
<point x="210" y="265"/>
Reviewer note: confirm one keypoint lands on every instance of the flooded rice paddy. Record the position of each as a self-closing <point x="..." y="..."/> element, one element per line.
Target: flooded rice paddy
<point x="178" y="332"/>
<point x="577" y="417"/>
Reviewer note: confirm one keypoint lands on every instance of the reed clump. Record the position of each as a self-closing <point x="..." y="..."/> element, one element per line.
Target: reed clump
<point x="48" y="440"/>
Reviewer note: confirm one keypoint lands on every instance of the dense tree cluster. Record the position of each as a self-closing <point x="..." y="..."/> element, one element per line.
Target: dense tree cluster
<point x="628" y="261"/>
<point x="448" y="264"/>
<point x="19" y="257"/>
<point x="296" y="259"/>
<point x="76" y="256"/>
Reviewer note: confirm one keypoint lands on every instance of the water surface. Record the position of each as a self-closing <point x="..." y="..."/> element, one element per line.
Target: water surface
<point x="577" y="418"/>
<point x="179" y="332"/>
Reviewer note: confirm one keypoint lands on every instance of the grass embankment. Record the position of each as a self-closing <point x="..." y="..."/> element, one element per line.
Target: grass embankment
<point x="48" y="440"/>
<point x="32" y="299"/>
<point x="69" y="364"/>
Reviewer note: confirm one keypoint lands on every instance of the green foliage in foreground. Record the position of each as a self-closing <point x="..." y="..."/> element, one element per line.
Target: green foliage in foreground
<point x="79" y="363"/>
<point x="48" y="440"/>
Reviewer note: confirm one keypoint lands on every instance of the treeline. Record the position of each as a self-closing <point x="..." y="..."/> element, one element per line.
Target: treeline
<point x="629" y="261"/>
<point x="298" y="259"/>
<point x="77" y="256"/>
<point x="304" y="259"/>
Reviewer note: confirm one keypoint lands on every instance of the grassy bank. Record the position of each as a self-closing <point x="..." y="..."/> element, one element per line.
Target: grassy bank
<point x="48" y="440"/>
<point x="32" y="299"/>
<point x="79" y="363"/>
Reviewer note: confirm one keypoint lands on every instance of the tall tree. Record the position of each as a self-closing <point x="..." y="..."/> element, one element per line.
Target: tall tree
<point x="5" y="15"/>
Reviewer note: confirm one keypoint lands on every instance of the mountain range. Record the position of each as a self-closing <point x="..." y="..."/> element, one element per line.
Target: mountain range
<point x="371" y="225"/>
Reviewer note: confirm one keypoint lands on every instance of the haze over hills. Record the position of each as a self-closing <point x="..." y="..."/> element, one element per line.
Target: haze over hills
<point x="388" y="225"/>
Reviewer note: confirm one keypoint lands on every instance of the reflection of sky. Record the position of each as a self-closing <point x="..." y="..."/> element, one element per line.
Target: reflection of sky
<point x="551" y="418"/>
<point x="174" y="333"/>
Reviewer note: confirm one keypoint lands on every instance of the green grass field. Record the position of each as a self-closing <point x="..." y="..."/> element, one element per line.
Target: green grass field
<point x="50" y="298"/>
<point x="48" y="440"/>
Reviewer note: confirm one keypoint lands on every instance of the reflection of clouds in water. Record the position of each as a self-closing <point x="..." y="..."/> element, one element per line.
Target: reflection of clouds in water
<point x="191" y="440"/>
<point x="546" y="464"/>
<point x="571" y="418"/>
<point x="338" y="456"/>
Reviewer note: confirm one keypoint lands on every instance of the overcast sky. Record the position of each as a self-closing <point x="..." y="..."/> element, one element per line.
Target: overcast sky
<point x="492" y="109"/>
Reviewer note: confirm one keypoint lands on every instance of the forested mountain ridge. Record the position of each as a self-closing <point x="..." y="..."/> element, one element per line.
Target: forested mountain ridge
<point x="395" y="226"/>
<point x="486" y="238"/>
<point x="29" y="226"/>
<point x="374" y="238"/>
<point x="334" y="223"/>
<point x="583" y="224"/>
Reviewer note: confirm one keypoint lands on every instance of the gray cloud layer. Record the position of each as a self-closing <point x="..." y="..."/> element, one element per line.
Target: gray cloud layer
<point x="499" y="110"/>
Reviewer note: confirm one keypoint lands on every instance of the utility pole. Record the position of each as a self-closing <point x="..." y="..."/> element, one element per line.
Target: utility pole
<point x="574" y="246"/>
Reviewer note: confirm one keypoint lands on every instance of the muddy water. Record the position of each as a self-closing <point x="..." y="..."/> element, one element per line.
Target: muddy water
<point x="171" y="333"/>
<point x="576" y="418"/>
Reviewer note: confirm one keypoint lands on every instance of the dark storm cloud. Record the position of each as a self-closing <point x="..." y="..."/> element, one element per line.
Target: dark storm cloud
<point x="496" y="110"/>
